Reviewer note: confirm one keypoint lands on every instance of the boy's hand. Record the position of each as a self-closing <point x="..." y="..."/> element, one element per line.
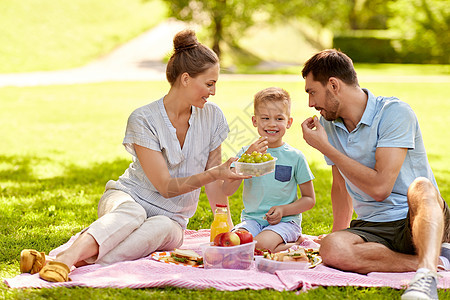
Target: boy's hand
<point x="259" y="146"/>
<point x="274" y="215"/>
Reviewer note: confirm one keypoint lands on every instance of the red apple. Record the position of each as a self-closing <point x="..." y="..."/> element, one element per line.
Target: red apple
<point x="229" y="239"/>
<point x="244" y="236"/>
<point x="217" y="239"/>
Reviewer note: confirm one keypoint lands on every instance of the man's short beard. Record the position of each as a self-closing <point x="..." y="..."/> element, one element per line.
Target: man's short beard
<point x="332" y="105"/>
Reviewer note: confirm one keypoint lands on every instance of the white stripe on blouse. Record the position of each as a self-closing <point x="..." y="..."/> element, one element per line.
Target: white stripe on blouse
<point x="149" y="126"/>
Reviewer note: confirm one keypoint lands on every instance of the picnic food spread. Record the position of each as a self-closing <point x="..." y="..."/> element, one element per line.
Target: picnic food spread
<point x="241" y="256"/>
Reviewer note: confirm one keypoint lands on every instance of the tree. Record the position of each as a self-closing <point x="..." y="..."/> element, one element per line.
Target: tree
<point x="225" y="20"/>
<point x="425" y="26"/>
<point x="313" y="17"/>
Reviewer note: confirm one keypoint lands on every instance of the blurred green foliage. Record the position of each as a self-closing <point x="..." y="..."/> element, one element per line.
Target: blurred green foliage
<point x="225" y="20"/>
<point x="366" y="48"/>
<point x="422" y="26"/>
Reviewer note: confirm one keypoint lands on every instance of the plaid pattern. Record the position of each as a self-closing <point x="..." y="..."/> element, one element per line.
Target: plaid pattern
<point x="147" y="273"/>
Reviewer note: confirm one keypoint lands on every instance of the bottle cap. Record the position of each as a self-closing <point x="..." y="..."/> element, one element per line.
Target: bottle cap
<point x="221" y="205"/>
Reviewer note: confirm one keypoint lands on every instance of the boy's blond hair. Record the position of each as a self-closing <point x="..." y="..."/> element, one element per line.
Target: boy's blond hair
<point x="272" y="94"/>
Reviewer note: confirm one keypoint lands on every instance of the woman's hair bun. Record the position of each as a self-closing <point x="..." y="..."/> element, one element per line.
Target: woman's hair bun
<point x="189" y="56"/>
<point x="184" y="40"/>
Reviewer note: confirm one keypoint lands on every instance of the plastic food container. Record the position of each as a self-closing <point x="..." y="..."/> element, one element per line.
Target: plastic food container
<point x="234" y="257"/>
<point x="270" y="266"/>
<point x="256" y="169"/>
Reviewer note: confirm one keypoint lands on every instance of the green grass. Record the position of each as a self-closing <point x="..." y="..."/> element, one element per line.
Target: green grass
<point x="48" y="35"/>
<point x="61" y="144"/>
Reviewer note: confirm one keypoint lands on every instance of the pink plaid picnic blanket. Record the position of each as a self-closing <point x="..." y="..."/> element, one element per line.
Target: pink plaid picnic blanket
<point x="147" y="273"/>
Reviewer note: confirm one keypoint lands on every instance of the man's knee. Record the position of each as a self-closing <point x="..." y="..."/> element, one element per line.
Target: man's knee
<point x="333" y="249"/>
<point x="421" y="185"/>
<point x="423" y="192"/>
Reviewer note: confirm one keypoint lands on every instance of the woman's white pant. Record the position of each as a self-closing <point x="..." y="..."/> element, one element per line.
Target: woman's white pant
<point x="123" y="231"/>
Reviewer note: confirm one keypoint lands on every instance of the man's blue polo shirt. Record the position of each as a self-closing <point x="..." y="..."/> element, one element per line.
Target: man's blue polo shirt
<point x="386" y="122"/>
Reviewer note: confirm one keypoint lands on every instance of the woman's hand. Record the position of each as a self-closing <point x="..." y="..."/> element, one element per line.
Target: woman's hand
<point x="169" y="186"/>
<point x="260" y="146"/>
<point x="224" y="171"/>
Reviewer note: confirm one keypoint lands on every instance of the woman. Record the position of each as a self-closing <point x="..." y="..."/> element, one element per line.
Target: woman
<point x="176" y="147"/>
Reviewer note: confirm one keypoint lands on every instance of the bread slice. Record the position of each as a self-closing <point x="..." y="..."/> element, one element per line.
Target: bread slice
<point x="189" y="254"/>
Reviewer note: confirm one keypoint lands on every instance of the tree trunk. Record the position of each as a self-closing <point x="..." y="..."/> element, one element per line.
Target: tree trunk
<point x="218" y="14"/>
<point x="217" y="38"/>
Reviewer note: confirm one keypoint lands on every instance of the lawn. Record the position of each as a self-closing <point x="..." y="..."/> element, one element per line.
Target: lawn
<point x="43" y="35"/>
<point x="61" y="144"/>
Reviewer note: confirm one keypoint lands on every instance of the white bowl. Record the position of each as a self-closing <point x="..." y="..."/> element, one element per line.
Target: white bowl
<point x="270" y="266"/>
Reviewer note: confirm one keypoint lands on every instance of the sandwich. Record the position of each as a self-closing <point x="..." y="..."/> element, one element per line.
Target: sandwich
<point x="185" y="256"/>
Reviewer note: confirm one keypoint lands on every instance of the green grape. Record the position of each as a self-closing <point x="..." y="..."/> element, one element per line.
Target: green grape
<point x="268" y="156"/>
<point x="250" y="160"/>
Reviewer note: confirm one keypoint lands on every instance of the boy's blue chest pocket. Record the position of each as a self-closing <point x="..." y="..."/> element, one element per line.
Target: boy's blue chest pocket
<point x="283" y="173"/>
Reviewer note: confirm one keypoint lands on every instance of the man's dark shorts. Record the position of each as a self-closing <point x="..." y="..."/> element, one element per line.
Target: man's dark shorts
<point x="395" y="235"/>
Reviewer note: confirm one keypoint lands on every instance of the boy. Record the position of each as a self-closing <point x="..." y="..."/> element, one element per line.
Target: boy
<point x="272" y="212"/>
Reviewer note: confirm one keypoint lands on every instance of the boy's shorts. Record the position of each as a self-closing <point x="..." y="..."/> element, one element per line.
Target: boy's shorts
<point x="289" y="231"/>
<point x="395" y="235"/>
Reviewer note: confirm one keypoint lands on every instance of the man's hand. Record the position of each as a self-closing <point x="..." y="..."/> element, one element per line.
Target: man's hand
<point x="319" y="239"/>
<point x="314" y="134"/>
<point x="274" y="215"/>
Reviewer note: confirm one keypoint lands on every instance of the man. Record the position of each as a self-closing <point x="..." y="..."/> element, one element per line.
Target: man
<point x="379" y="169"/>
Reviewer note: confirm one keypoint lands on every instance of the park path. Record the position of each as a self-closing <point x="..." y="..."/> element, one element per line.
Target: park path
<point x="141" y="60"/>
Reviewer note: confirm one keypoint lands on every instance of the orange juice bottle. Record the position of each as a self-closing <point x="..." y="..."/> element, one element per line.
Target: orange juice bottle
<point x="220" y="223"/>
